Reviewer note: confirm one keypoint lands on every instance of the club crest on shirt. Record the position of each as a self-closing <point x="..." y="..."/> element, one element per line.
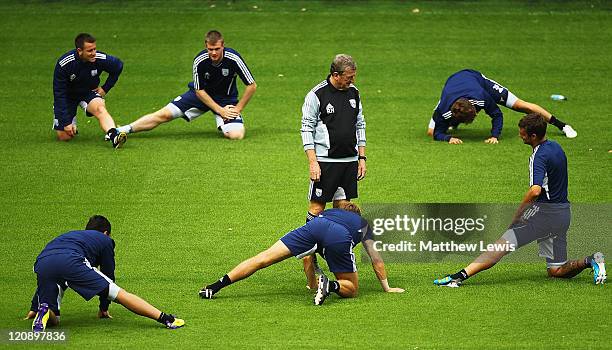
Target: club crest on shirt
<point x="225" y="72"/>
<point x="72" y="77"/>
<point x="318" y="192"/>
<point x="353" y="103"/>
<point x="94" y="72"/>
<point x="206" y="75"/>
<point x="329" y="108"/>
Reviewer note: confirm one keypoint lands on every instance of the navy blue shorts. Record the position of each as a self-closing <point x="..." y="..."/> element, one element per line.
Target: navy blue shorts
<point x="548" y="225"/>
<point x="188" y="106"/>
<point x="55" y="273"/>
<point x="71" y="109"/>
<point x="331" y="240"/>
<point x="500" y="93"/>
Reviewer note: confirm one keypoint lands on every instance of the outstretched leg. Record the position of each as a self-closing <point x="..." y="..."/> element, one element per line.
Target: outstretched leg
<point x="149" y="121"/>
<point x="528" y="107"/>
<point x="140" y="307"/>
<point x="485" y="261"/>
<point x="272" y="255"/>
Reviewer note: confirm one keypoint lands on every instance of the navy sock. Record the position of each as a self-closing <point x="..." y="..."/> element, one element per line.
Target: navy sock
<point x="556" y="122"/>
<point x="587" y="261"/>
<point x="221" y="283"/>
<point x="165" y="318"/>
<point x="334" y="286"/>
<point x="462" y="275"/>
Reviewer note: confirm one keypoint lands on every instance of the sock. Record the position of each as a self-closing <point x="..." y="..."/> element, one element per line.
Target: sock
<point x="126" y="129"/>
<point x="165" y="318"/>
<point x="221" y="283"/>
<point x="462" y="275"/>
<point x="556" y="122"/>
<point x="334" y="286"/>
<point x="587" y="261"/>
<point x="310" y="216"/>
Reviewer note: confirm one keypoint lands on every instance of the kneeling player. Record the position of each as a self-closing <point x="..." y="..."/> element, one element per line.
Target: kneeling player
<point x="543" y="216"/>
<point x="76" y="82"/>
<point x="333" y="234"/>
<point x="68" y="261"/>
<point x="467" y="92"/>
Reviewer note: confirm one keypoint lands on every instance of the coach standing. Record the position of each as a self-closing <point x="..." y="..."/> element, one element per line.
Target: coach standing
<point x="333" y="135"/>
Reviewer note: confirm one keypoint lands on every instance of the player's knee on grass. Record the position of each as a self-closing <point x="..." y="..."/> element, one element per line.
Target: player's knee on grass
<point x="348" y="289"/>
<point x="567" y="270"/>
<point x="234" y="134"/>
<point x="557" y="272"/>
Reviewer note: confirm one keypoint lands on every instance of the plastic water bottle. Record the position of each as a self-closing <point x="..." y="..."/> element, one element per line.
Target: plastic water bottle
<point x="558" y="98"/>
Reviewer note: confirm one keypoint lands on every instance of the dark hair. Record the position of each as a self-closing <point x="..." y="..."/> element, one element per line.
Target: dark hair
<point x="463" y="111"/>
<point x="350" y="206"/>
<point x="81" y="39"/>
<point x="98" y="223"/>
<point x="213" y="36"/>
<point x="533" y="123"/>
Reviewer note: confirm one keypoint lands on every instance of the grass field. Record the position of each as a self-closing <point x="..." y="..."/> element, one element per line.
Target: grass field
<point x="187" y="205"/>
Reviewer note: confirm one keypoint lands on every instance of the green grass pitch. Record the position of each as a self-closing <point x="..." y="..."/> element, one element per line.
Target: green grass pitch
<point x="187" y="205"/>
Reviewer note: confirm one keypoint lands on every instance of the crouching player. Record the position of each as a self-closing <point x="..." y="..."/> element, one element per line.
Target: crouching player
<point x="543" y="216"/>
<point x="333" y="234"/>
<point x="467" y="92"/>
<point x="68" y="261"/>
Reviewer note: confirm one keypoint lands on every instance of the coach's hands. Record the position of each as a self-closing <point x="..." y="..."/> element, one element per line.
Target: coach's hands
<point x="315" y="170"/>
<point x="492" y="140"/>
<point x="455" y="141"/>
<point x="361" y="169"/>
<point x="104" y="314"/>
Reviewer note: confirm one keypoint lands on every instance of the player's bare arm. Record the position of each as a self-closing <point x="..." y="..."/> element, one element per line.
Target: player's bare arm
<point x="378" y="266"/>
<point x="249" y="91"/>
<point x="361" y="167"/>
<point x="313" y="165"/>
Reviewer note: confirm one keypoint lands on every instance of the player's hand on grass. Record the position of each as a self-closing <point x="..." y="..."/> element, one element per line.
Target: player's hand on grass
<point x="315" y="171"/>
<point x="31" y="314"/>
<point x="361" y="169"/>
<point x="455" y="141"/>
<point x="104" y="314"/>
<point x="395" y="290"/>
<point x="491" y="140"/>
<point x="100" y="91"/>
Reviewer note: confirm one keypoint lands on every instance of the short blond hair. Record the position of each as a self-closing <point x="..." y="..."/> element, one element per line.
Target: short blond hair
<point x="350" y="206"/>
<point x="213" y="36"/>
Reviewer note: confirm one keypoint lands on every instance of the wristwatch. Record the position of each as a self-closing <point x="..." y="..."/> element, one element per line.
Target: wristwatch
<point x="362" y="157"/>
